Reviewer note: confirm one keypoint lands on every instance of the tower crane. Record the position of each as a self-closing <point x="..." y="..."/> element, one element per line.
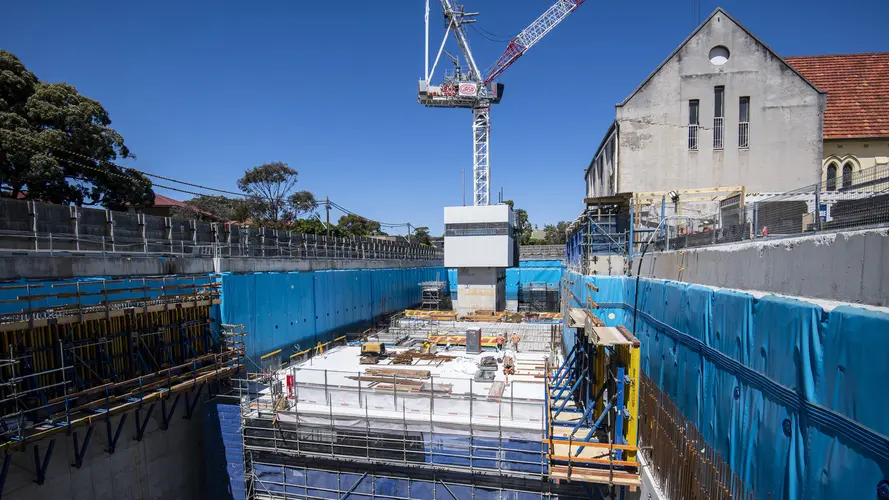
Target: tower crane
<point x="477" y="91"/>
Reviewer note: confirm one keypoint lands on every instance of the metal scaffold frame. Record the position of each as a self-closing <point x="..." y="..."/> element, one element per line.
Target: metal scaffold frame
<point x="90" y="353"/>
<point x="593" y="404"/>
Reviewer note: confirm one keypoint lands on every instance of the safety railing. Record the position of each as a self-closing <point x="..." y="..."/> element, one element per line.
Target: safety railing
<point x="847" y="199"/>
<point x="355" y="416"/>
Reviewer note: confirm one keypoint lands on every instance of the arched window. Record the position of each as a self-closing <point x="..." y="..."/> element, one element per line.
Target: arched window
<point x="847" y="175"/>
<point x="831" y="184"/>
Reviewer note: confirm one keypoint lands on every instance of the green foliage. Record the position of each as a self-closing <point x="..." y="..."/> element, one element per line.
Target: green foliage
<point x="313" y="225"/>
<point x="213" y="208"/>
<point x="421" y="236"/>
<point x="268" y="189"/>
<point x="356" y="225"/>
<point x="55" y="145"/>
<point x="555" y="234"/>
<point x="523" y="225"/>
<point x="302" y="202"/>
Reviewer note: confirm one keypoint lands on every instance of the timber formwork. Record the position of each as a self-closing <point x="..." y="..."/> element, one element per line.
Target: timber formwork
<point x="76" y="354"/>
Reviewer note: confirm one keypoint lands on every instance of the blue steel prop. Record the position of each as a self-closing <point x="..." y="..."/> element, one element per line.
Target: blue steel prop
<point x="80" y="450"/>
<point x="40" y="467"/>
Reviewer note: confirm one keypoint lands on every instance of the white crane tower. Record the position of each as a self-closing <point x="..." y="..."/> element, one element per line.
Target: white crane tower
<point x="474" y="90"/>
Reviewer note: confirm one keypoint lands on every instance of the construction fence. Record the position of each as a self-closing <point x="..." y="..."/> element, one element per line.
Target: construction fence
<point x="64" y="229"/>
<point x="856" y="200"/>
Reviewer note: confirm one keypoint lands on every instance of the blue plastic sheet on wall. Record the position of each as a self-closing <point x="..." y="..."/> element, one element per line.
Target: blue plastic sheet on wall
<point x="223" y="452"/>
<point x="93" y="290"/>
<point x="541" y="263"/>
<point x="296" y="483"/>
<point x="788" y="393"/>
<point x="283" y="310"/>
<point x="525" y="275"/>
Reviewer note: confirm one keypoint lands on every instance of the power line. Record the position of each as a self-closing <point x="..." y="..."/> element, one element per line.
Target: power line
<point x="115" y="174"/>
<point x="385" y="224"/>
<point x="148" y="174"/>
<point x="107" y="171"/>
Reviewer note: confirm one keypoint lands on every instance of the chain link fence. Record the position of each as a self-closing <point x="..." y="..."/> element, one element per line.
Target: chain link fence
<point x="856" y="200"/>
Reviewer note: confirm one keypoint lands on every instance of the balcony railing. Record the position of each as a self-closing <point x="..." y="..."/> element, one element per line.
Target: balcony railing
<point x="744" y="135"/>
<point x="718" y="124"/>
<point x="692" y="137"/>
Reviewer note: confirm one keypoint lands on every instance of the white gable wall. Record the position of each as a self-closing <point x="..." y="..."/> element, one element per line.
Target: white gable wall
<point x="786" y="114"/>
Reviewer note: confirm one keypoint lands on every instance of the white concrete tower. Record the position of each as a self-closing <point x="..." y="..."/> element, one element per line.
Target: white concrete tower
<point x="480" y="243"/>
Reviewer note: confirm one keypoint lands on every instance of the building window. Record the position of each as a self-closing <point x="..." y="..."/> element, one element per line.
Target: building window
<point x="718" y="116"/>
<point x="847" y="175"/>
<point x="693" y="117"/>
<point x="744" y="122"/>
<point x="831" y="184"/>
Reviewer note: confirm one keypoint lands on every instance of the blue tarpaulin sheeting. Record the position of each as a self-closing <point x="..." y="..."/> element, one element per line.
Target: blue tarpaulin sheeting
<point x="788" y="393"/>
<point x="280" y="310"/>
<point x="223" y="452"/>
<point x="547" y="272"/>
<point x="93" y="291"/>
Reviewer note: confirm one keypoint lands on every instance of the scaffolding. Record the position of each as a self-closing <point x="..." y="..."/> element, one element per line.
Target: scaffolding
<point x="592" y="407"/>
<point x="604" y="228"/>
<point x="539" y="297"/>
<point x="326" y="431"/>
<point x="76" y="354"/>
<point x="433" y="294"/>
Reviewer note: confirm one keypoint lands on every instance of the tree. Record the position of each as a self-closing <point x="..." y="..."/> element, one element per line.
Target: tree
<point x="523" y="226"/>
<point x="270" y="200"/>
<point x="555" y="234"/>
<point x="213" y="208"/>
<point x="302" y="202"/>
<point x="421" y="236"/>
<point x="356" y="225"/>
<point x="268" y="186"/>
<point x="313" y="225"/>
<point x="56" y="145"/>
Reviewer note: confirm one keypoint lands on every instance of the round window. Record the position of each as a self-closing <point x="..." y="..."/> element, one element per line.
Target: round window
<point x="719" y="55"/>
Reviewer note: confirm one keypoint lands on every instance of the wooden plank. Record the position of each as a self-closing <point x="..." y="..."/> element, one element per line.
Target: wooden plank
<point x="595" y="475"/>
<point x="399" y="372"/>
<point x="607" y="336"/>
<point x="496" y="390"/>
<point x="580" y="434"/>
<point x="651" y="194"/>
<point x="629" y="335"/>
<point x="597" y="461"/>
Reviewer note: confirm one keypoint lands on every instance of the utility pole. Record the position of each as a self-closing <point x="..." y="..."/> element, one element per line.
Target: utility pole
<point x="327" y="210"/>
<point x="463" y="183"/>
<point x="408" y="232"/>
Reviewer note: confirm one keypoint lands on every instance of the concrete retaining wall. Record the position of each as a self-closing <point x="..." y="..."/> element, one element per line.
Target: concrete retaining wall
<point x="847" y="266"/>
<point x="15" y="266"/>
<point x="165" y="464"/>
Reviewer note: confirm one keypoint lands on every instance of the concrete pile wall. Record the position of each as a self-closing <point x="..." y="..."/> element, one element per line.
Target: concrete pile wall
<point x="165" y="464"/>
<point x="849" y="266"/>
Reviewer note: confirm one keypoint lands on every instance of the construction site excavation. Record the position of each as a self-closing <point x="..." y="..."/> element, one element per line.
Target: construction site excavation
<point x="702" y="313"/>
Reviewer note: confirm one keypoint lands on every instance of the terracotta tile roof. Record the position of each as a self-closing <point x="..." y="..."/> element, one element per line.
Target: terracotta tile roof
<point x="163" y="201"/>
<point x="857" y="87"/>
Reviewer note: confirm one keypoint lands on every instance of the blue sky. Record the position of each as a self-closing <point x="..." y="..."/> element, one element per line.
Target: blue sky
<point x="203" y="90"/>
